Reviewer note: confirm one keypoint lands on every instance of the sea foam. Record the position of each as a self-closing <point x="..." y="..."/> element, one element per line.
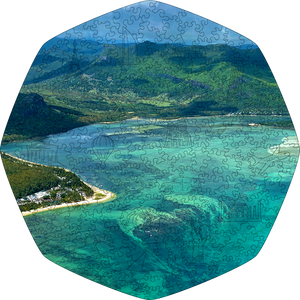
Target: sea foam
<point x="290" y="146"/>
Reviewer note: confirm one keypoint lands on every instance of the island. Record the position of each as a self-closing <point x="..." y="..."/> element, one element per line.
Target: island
<point x="37" y="187"/>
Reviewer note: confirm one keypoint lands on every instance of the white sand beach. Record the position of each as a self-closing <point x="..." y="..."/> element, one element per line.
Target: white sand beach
<point x="133" y="118"/>
<point x="199" y="117"/>
<point x="88" y="200"/>
<point x="108" y="196"/>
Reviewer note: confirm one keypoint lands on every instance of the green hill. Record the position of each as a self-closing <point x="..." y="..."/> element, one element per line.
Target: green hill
<point x="32" y="117"/>
<point x="84" y="82"/>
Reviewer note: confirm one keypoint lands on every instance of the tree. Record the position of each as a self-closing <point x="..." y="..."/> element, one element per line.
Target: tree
<point x="53" y="195"/>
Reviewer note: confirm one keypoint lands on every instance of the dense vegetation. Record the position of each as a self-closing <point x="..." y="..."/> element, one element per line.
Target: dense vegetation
<point x="105" y="83"/>
<point x="32" y="116"/>
<point x="28" y="178"/>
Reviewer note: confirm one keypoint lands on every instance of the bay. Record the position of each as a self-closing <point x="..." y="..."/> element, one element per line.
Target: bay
<point x="196" y="198"/>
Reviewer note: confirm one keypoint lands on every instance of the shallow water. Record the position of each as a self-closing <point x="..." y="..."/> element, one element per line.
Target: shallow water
<point x="195" y="198"/>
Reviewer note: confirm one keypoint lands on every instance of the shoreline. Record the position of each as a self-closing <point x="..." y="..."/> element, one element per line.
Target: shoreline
<point x="141" y="118"/>
<point x="87" y="200"/>
<point x="112" y="122"/>
<point x="214" y="116"/>
<point x="109" y="196"/>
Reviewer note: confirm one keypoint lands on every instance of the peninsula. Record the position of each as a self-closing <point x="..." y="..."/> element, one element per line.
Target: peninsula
<point x="40" y="188"/>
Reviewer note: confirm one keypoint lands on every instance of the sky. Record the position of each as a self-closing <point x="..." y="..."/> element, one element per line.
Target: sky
<point x="156" y="22"/>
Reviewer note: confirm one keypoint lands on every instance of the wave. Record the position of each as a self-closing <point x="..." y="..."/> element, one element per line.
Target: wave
<point x="290" y="146"/>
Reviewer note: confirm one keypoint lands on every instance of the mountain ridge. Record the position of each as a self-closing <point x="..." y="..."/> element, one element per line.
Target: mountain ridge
<point x="116" y="82"/>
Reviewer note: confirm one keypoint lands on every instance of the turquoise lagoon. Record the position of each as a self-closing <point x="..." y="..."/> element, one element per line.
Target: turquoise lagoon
<point x="196" y="198"/>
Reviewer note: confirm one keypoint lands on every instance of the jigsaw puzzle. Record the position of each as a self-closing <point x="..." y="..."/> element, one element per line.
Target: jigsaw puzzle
<point x="150" y="150"/>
